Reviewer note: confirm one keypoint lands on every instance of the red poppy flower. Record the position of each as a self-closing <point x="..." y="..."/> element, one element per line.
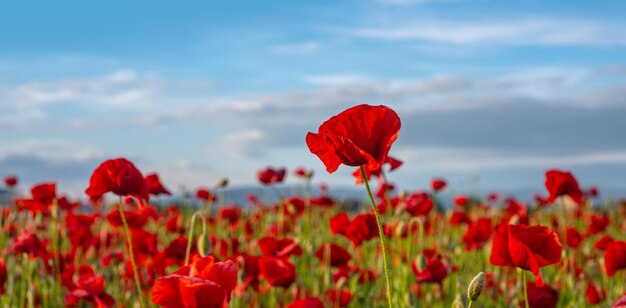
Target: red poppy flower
<point x="461" y="201"/>
<point x="620" y="302"/>
<point x="79" y="230"/>
<point x="339" y="298"/>
<point x="615" y="257"/>
<point x="283" y="248"/>
<point x="278" y="272"/>
<point x="230" y="214"/>
<point x="459" y="217"/>
<point x="434" y="272"/>
<point x="602" y="242"/>
<point x="542" y="296"/>
<point x="10" y="181"/>
<point x="361" y="135"/>
<point x="477" y="233"/>
<point x="135" y="219"/>
<point x="175" y="224"/>
<point x="154" y="185"/>
<point x="89" y="288"/>
<point x="44" y="193"/>
<point x="573" y="238"/>
<point x="559" y="183"/>
<point x="528" y="248"/>
<point x="323" y="201"/>
<point x="308" y="302"/>
<point x="362" y="228"/>
<point x="419" y="204"/>
<point x="337" y="255"/>
<point x="594" y="296"/>
<point x="204" y="283"/>
<point x="271" y="176"/>
<point x="303" y="173"/>
<point x="27" y="242"/>
<point x="119" y="176"/>
<point x="205" y="195"/>
<point x="598" y="224"/>
<point x="3" y="275"/>
<point x="493" y="197"/>
<point x="438" y="184"/>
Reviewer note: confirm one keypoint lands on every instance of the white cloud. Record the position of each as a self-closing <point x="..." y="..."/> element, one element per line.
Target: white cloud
<point x="415" y="2"/>
<point x="305" y="47"/>
<point x="51" y="149"/>
<point x="479" y="159"/>
<point x="515" y="31"/>
<point x="336" y="79"/>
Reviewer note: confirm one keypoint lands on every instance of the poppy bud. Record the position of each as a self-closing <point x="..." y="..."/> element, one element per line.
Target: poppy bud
<point x="309" y="174"/>
<point x="222" y="183"/>
<point x="204" y="245"/>
<point x="421" y="262"/>
<point x="476" y="286"/>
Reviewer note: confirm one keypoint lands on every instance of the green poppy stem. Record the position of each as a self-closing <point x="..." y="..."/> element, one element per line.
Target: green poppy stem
<point x="381" y="234"/>
<point x="525" y="288"/>
<point x="131" y="254"/>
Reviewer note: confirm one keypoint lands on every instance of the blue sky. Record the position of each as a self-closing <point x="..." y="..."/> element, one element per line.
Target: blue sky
<point x="491" y="93"/>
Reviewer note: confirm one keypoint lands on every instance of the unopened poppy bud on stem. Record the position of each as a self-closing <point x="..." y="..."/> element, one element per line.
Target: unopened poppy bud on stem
<point x="421" y="262"/>
<point x="204" y="245"/>
<point x="476" y="286"/>
<point x="222" y="183"/>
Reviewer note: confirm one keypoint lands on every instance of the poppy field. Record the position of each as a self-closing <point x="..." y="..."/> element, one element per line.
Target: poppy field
<point x="120" y="245"/>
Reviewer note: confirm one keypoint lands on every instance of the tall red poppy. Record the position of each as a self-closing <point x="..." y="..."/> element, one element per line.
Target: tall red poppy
<point x="559" y="183"/>
<point x="204" y="283"/>
<point x="615" y="257"/>
<point x="361" y="135"/>
<point x="528" y="248"/>
<point x="119" y="176"/>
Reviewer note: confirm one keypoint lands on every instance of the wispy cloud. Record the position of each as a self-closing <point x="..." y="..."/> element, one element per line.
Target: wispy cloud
<point x="515" y="31"/>
<point x="305" y="47"/>
<point x="415" y="2"/>
<point x="336" y="79"/>
<point x="121" y="88"/>
<point x="477" y="159"/>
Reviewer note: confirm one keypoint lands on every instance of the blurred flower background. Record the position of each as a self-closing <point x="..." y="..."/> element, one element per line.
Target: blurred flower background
<point x="491" y="93"/>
